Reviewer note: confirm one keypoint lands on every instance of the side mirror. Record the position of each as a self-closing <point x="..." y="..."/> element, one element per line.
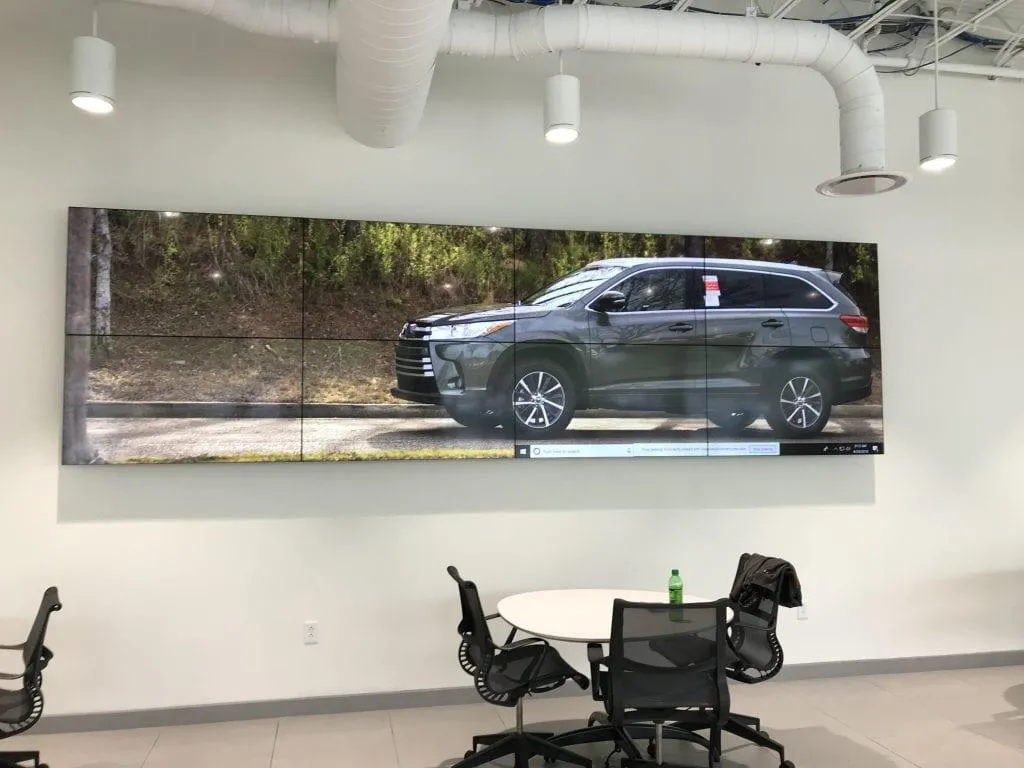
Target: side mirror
<point x="609" y="301"/>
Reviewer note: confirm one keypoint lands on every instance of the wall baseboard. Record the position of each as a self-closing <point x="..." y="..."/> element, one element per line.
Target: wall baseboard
<point x="436" y="697"/>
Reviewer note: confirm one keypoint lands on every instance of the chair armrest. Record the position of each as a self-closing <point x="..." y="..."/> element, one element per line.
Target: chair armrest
<point x="491" y="616"/>
<point x="597" y="659"/>
<point x="523" y="643"/>
<point x="17" y="647"/>
<point x="11" y="676"/>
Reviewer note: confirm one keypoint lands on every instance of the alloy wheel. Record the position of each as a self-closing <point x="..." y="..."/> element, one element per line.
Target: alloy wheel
<point x="801" y="402"/>
<point x="538" y="400"/>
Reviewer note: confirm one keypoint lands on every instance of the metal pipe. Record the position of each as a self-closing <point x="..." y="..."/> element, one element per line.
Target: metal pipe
<point x="975" y="70"/>
<point x="877" y="18"/>
<point x="785" y="8"/>
<point x="962" y="26"/>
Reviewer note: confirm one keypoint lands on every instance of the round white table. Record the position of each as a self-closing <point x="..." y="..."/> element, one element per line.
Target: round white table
<point x="574" y="615"/>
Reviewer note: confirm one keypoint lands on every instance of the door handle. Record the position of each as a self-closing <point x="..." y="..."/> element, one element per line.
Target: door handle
<point x="772" y="324"/>
<point x="681" y="327"/>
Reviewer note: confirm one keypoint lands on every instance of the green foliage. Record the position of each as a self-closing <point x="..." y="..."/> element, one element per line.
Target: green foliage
<point x="212" y="265"/>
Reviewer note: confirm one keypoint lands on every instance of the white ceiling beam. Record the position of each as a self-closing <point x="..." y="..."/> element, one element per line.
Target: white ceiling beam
<point x="785" y="8"/>
<point x="962" y="26"/>
<point x="1006" y="53"/>
<point x="878" y="17"/>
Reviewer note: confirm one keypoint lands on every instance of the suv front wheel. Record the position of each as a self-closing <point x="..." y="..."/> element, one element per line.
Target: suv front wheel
<point x="798" y="402"/>
<point x="543" y="399"/>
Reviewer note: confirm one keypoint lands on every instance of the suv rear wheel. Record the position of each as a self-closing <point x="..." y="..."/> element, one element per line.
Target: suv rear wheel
<point x="798" y="402"/>
<point x="543" y="399"/>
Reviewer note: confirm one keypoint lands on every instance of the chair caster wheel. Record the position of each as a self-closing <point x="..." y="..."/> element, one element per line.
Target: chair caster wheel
<point x="787" y="764"/>
<point x="549" y="761"/>
<point x="469" y="753"/>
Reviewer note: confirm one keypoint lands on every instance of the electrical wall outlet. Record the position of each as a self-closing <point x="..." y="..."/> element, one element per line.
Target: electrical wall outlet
<point x="801" y="613"/>
<point x="311" y="632"/>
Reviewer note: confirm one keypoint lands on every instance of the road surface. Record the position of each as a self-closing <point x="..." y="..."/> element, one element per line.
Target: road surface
<point x="168" y="439"/>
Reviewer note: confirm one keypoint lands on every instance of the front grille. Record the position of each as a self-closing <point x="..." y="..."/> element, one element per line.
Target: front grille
<point x="413" y="367"/>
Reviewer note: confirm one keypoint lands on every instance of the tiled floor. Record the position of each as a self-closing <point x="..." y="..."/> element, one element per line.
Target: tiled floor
<point x="964" y="719"/>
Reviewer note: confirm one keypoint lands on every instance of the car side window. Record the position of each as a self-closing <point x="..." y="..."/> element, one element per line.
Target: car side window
<point x="735" y="290"/>
<point x="786" y="292"/>
<point x="655" y="290"/>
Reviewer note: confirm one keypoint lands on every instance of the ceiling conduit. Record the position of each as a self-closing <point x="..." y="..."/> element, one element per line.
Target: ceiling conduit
<point x="609" y="29"/>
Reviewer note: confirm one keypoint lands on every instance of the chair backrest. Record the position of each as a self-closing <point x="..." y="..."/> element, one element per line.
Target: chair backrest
<point x="34" y="654"/>
<point x="477" y="647"/>
<point x="667" y="657"/>
<point x="752" y="634"/>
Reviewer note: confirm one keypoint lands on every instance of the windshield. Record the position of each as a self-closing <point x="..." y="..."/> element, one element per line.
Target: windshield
<point x="572" y="287"/>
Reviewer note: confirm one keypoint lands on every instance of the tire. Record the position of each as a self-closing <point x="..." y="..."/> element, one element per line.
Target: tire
<point x="798" y="402"/>
<point x="543" y="399"/>
<point x="478" y="422"/>
<point x="732" y="421"/>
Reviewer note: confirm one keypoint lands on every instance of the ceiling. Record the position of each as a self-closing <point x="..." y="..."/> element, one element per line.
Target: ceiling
<point x="978" y="32"/>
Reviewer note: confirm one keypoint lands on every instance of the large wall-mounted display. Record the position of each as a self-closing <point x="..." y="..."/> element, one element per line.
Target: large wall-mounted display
<point x="213" y="337"/>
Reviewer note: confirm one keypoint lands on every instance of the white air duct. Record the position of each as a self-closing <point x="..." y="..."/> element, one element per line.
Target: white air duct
<point x="302" y="19"/>
<point x="387" y="49"/>
<point x="608" y="29"/>
<point x="385" y="58"/>
<point x="386" y="55"/>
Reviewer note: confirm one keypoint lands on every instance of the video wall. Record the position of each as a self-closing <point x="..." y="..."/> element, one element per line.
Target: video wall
<point x="198" y="337"/>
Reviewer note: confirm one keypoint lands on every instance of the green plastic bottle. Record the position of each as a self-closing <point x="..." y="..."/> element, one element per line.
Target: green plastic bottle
<point x="675" y="588"/>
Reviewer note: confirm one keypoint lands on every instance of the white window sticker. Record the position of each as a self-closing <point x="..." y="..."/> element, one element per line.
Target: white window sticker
<point x="712" y="291"/>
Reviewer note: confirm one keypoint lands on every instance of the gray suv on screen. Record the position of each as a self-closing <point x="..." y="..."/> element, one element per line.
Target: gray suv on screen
<point x="727" y="339"/>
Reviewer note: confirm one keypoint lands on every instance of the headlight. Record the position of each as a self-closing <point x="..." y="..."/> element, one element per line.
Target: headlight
<point x="466" y="330"/>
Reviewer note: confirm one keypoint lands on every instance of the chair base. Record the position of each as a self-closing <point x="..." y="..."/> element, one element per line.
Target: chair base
<point x="523" y="746"/>
<point x="19" y="760"/>
<point x="749" y="728"/>
<point x="624" y="738"/>
<point x="491" y="739"/>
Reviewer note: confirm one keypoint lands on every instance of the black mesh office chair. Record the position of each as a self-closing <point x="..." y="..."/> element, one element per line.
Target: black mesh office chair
<point x="761" y="585"/>
<point x="757" y="592"/>
<point x="505" y="675"/>
<point x="664" y="677"/>
<point x="21" y="709"/>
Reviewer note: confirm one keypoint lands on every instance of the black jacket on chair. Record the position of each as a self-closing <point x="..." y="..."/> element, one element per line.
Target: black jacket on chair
<point x="759" y="574"/>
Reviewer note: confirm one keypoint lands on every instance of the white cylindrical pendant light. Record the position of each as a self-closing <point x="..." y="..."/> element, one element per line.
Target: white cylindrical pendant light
<point x="936" y="130"/>
<point x="937" y="139"/>
<point x="562" y="109"/>
<point x="93" y="64"/>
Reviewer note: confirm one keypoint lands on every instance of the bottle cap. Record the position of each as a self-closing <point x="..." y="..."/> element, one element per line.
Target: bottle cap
<point x="675" y="571"/>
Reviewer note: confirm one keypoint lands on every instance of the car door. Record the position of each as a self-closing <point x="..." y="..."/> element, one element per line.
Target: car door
<point x="806" y="307"/>
<point x="742" y="333"/>
<point x="651" y="352"/>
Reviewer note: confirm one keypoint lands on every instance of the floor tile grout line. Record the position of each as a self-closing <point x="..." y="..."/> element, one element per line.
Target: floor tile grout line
<point x="394" y="740"/>
<point x="152" y="748"/>
<point x="273" y="748"/>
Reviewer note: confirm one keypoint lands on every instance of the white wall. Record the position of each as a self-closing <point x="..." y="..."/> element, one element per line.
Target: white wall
<point x="187" y="585"/>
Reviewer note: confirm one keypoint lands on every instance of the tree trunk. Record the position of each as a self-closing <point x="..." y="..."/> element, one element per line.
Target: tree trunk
<point x="77" y="448"/>
<point x="693" y="247"/>
<point x="104" y="254"/>
<point x="830" y="259"/>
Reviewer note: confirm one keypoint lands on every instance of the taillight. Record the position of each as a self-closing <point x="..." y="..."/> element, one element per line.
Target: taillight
<point x="859" y="323"/>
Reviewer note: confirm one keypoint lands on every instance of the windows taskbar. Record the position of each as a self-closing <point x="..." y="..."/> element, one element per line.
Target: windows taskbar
<point x="654" y="450"/>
